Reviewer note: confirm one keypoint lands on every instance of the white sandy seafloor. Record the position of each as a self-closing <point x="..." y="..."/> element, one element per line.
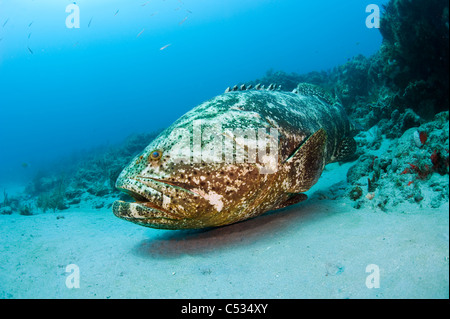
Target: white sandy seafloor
<point x="317" y="249"/>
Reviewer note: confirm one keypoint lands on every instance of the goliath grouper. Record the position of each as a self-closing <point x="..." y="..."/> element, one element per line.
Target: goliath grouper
<point x="234" y="157"/>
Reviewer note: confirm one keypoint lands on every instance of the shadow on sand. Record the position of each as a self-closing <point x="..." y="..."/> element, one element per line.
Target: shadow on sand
<point x="172" y="244"/>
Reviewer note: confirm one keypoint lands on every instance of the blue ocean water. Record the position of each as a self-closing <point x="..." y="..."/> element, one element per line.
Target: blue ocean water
<point x="137" y="65"/>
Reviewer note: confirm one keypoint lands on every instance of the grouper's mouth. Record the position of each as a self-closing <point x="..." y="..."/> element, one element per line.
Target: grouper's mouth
<point x="151" y="206"/>
<point x="148" y="202"/>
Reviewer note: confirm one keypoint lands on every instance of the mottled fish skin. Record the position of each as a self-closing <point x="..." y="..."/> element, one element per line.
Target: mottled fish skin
<point x="171" y="194"/>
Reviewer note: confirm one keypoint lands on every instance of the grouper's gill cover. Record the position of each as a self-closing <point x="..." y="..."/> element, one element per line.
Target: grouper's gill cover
<point x="181" y="181"/>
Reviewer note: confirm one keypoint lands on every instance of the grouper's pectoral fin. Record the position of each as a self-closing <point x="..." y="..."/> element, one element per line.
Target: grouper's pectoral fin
<point x="306" y="164"/>
<point x="292" y="200"/>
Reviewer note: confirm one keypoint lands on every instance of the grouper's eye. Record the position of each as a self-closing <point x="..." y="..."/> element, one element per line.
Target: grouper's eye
<point x="155" y="155"/>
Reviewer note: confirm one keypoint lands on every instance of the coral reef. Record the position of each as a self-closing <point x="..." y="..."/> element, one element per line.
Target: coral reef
<point x="415" y="53"/>
<point x="25" y="210"/>
<point x="352" y="80"/>
<point x="15" y="204"/>
<point x="51" y="201"/>
<point x="414" y="168"/>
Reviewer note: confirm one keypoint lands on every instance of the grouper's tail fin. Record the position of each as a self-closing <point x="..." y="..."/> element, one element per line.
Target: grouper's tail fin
<point x="345" y="151"/>
<point x="347" y="146"/>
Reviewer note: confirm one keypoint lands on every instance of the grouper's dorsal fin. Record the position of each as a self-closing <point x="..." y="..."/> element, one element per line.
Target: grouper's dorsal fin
<point x="306" y="163"/>
<point x="258" y="87"/>
<point x="308" y="89"/>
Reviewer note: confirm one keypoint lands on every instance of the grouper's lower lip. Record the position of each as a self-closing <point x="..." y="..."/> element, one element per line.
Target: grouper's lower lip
<point x="141" y="211"/>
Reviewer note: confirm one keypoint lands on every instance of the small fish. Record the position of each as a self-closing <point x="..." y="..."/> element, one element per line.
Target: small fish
<point x="143" y="5"/>
<point x="154" y="13"/>
<point x="29" y="35"/>
<point x="30" y="23"/>
<point x="25" y="165"/>
<point x="89" y="23"/>
<point x="166" y="46"/>
<point x="182" y="21"/>
<point x="139" y="34"/>
<point x="5" y="22"/>
<point x="116" y="12"/>
<point x="188" y="11"/>
<point x="31" y="51"/>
